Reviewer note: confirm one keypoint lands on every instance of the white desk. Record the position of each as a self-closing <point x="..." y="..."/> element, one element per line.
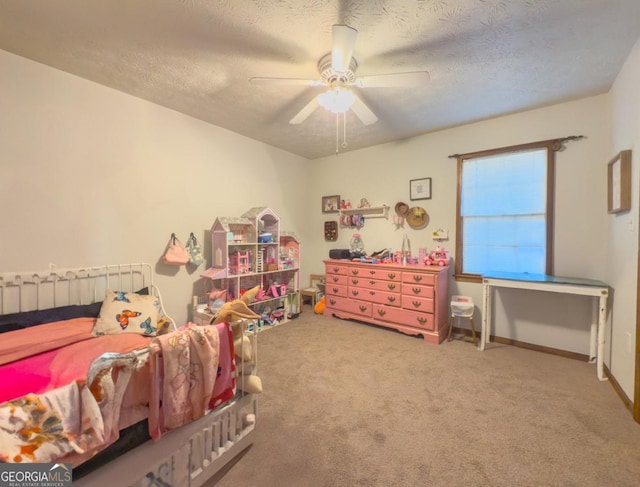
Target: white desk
<point x="554" y="284"/>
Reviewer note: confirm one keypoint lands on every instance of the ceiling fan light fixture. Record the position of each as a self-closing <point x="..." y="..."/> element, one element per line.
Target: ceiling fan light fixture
<point x="337" y="100"/>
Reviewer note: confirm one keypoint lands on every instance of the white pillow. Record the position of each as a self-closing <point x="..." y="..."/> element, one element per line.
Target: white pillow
<point x="127" y="313"/>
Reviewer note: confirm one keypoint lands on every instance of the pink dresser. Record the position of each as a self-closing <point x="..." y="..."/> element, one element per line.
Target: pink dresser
<point x="410" y="298"/>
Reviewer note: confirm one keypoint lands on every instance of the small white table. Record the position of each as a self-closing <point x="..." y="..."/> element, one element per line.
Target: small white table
<point x="555" y="284"/>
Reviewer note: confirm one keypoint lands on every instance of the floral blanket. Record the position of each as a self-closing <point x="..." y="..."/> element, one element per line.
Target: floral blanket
<point x="45" y="427"/>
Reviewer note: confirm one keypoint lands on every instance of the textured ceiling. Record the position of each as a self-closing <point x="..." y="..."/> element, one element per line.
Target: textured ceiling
<point x="485" y="57"/>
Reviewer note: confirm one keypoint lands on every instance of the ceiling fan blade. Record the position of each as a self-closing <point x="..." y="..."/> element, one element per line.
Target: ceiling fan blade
<point x="344" y="40"/>
<point x="413" y="78"/>
<point x="308" y="109"/>
<point x="363" y="112"/>
<point x="287" y="81"/>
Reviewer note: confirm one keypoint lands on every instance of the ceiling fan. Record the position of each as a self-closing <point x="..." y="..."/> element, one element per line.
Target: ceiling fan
<point x="337" y="72"/>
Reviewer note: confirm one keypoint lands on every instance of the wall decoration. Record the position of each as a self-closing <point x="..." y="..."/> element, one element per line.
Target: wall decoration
<point x="440" y="234"/>
<point x="619" y="182"/>
<point x="331" y="231"/>
<point x="330" y="204"/>
<point x="420" y="189"/>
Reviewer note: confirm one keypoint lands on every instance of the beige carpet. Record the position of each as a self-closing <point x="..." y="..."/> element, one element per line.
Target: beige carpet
<point x="349" y="404"/>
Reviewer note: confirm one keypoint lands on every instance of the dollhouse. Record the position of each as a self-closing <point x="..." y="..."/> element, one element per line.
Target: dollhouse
<point x="249" y="251"/>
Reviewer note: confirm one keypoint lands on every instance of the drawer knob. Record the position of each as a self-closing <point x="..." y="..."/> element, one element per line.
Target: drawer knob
<point x="355" y="281"/>
<point x="416" y="304"/>
<point x="355" y="272"/>
<point x="417" y="278"/>
<point x="355" y="292"/>
<point x="416" y="290"/>
<point x="335" y="290"/>
<point x="362" y="308"/>
<point x="336" y="269"/>
<point x="332" y="301"/>
<point x="382" y="312"/>
<point x="421" y="320"/>
<point x="372" y="272"/>
<point x="372" y="282"/>
<point x="391" y="299"/>
<point x="391" y="275"/>
<point x="391" y="286"/>
<point x="336" y="279"/>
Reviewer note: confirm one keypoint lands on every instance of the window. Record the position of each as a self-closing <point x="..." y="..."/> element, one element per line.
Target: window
<point x="505" y="210"/>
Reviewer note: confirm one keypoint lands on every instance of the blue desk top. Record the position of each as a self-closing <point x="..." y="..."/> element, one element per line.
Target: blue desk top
<point x="527" y="277"/>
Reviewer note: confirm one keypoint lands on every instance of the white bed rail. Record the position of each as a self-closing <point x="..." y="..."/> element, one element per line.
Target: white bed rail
<point x="186" y="457"/>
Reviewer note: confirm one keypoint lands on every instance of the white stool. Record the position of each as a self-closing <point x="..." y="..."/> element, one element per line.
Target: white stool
<point x="462" y="307"/>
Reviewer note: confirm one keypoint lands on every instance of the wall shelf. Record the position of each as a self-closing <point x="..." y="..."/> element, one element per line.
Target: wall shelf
<point x="368" y="212"/>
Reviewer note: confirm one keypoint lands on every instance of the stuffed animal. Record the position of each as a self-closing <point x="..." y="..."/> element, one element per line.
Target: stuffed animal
<point x="320" y="305"/>
<point x="236" y="312"/>
<point x="247" y="381"/>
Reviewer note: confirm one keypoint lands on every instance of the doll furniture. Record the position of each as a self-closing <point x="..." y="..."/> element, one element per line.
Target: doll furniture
<point x="315" y="290"/>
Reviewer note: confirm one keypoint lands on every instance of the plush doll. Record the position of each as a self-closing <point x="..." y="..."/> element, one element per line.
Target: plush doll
<point x="236" y="312"/>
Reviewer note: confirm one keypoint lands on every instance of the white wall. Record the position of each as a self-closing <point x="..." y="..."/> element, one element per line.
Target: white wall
<point x="90" y="175"/>
<point x="382" y="174"/>
<point x="622" y="257"/>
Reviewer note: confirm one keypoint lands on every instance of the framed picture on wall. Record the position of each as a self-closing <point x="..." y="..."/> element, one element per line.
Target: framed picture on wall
<point x="420" y="189"/>
<point x="330" y="204"/>
<point x="619" y="182"/>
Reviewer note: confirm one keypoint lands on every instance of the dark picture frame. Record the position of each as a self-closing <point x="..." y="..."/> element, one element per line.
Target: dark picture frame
<point x="331" y="204"/>
<point x="420" y="189"/>
<point x="619" y="182"/>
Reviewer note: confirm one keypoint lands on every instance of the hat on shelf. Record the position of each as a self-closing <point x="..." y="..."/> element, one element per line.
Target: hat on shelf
<point x="417" y="217"/>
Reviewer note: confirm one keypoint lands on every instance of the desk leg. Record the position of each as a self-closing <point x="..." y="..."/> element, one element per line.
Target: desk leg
<point x="486" y="312"/>
<point x="595" y="320"/>
<point x="602" y="328"/>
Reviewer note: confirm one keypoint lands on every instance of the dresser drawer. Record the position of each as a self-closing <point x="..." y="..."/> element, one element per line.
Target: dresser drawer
<point x="380" y="272"/>
<point x="416" y="303"/>
<point x="415" y="290"/>
<point x="403" y="317"/>
<point x="360" y="308"/>
<point x="418" y="278"/>
<point x="336" y="279"/>
<point x="336" y="269"/>
<point x="377" y="284"/>
<point x="374" y="296"/>
<point x="336" y="290"/>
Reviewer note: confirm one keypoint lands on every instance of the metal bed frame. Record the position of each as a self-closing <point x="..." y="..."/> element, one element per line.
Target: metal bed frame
<point x="186" y="457"/>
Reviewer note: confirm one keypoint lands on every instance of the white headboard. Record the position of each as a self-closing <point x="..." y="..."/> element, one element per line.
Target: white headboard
<point x="27" y="291"/>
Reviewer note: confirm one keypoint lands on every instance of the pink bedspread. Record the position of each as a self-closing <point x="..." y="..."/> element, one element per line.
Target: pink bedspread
<point x="58" y="365"/>
<point x="27" y="342"/>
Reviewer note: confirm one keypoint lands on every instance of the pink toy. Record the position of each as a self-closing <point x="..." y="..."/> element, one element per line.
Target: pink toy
<point x="273" y="290"/>
<point x="438" y="256"/>
<point x="240" y="262"/>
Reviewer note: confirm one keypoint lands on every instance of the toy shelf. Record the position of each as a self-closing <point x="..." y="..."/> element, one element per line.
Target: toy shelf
<point x="369" y="212"/>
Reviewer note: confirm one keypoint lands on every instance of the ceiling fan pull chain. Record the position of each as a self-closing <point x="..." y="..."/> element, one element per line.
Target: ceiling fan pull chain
<point x="344" y="126"/>
<point x="337" y="133"/>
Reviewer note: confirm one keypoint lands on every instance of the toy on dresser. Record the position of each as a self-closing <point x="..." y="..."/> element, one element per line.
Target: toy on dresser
<point x="438" y="256"/>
